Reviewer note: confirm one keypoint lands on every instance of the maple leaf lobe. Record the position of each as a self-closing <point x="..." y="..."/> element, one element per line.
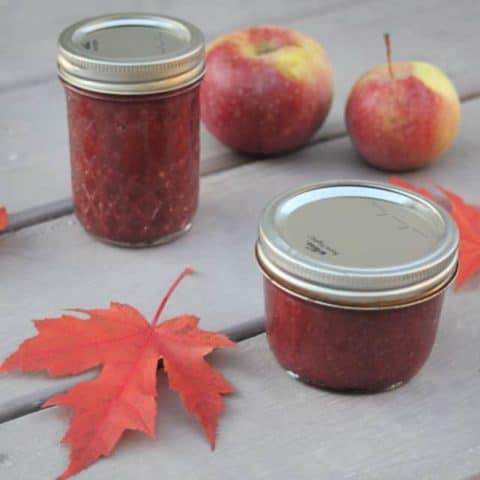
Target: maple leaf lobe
<point x="123" y="396"/>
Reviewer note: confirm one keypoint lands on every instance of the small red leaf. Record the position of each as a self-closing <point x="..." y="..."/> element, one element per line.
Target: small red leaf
<point x="3" y="218"/>
<point x="123" y="395"/>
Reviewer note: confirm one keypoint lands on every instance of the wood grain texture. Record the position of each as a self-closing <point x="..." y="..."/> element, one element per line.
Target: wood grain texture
<point x="276" y="427"/>
<point x="33" y="139"/>
<point x="55" y="265"/>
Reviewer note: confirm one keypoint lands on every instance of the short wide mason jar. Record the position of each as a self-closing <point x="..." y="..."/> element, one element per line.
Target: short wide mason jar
<point x="354" y="280"/>
<point x="132" y="89"/>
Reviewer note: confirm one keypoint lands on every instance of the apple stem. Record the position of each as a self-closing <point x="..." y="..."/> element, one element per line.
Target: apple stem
<point x="186" y="271"/>
<point x="386" y="37"/>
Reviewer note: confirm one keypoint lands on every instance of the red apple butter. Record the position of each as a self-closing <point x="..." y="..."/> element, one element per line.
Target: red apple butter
<point x="354" y="281"/>
<point x="132" y="89"/>
<point x="345" y="349"/>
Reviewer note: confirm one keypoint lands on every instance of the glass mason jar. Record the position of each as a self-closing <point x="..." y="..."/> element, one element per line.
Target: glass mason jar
<point x="354" y="280"/>
<point x="132" y="90"/>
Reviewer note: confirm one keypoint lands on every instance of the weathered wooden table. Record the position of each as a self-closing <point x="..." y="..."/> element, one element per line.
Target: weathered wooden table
<point x="273" y="427"/>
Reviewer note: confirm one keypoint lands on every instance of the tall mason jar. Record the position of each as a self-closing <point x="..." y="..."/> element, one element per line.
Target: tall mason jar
<point x="132" y="90"/>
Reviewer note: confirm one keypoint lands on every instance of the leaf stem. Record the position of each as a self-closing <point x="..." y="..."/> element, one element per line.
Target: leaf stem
<point x="386" y="37"/>
<point x="186" y="271"/>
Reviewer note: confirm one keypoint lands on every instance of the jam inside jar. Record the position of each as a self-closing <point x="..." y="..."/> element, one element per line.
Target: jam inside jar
<point x="348" y="349"/>
<point x="354" y="282"/>
<point x="132" y="90"/>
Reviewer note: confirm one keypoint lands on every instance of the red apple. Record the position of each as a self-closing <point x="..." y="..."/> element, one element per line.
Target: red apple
<point x="403" y="115"/>
<point x="266" y="90"/>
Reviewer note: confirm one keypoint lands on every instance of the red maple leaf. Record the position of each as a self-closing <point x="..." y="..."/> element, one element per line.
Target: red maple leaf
<point x="467" y="218"/>
<point x="3" y="218"/>
<point x="123" y="395"/>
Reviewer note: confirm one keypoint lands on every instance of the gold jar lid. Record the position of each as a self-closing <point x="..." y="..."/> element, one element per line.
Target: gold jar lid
<point x="357" y="244"/>
<point x="131" y="54"/>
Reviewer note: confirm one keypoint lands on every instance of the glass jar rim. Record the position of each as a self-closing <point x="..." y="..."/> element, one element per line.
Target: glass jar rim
<point x="129" y="98"/>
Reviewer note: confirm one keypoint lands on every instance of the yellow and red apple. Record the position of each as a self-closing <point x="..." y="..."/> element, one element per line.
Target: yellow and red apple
<point x="266" y="89"/>
<point x="403" y="115"/>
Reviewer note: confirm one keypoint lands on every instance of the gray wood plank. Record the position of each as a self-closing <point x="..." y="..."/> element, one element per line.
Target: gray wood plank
<point x="33" y="27"/>
<point x="33" y="130"/>
<point x="276" y="427"/>
<point x="33" y="138"/>
<point x="55" y="265"/>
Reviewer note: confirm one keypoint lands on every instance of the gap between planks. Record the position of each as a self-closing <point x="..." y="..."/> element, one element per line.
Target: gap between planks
<point x="60" y="208"/>
<point x="63" y="207"/>
<point x="27" y="404"/>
